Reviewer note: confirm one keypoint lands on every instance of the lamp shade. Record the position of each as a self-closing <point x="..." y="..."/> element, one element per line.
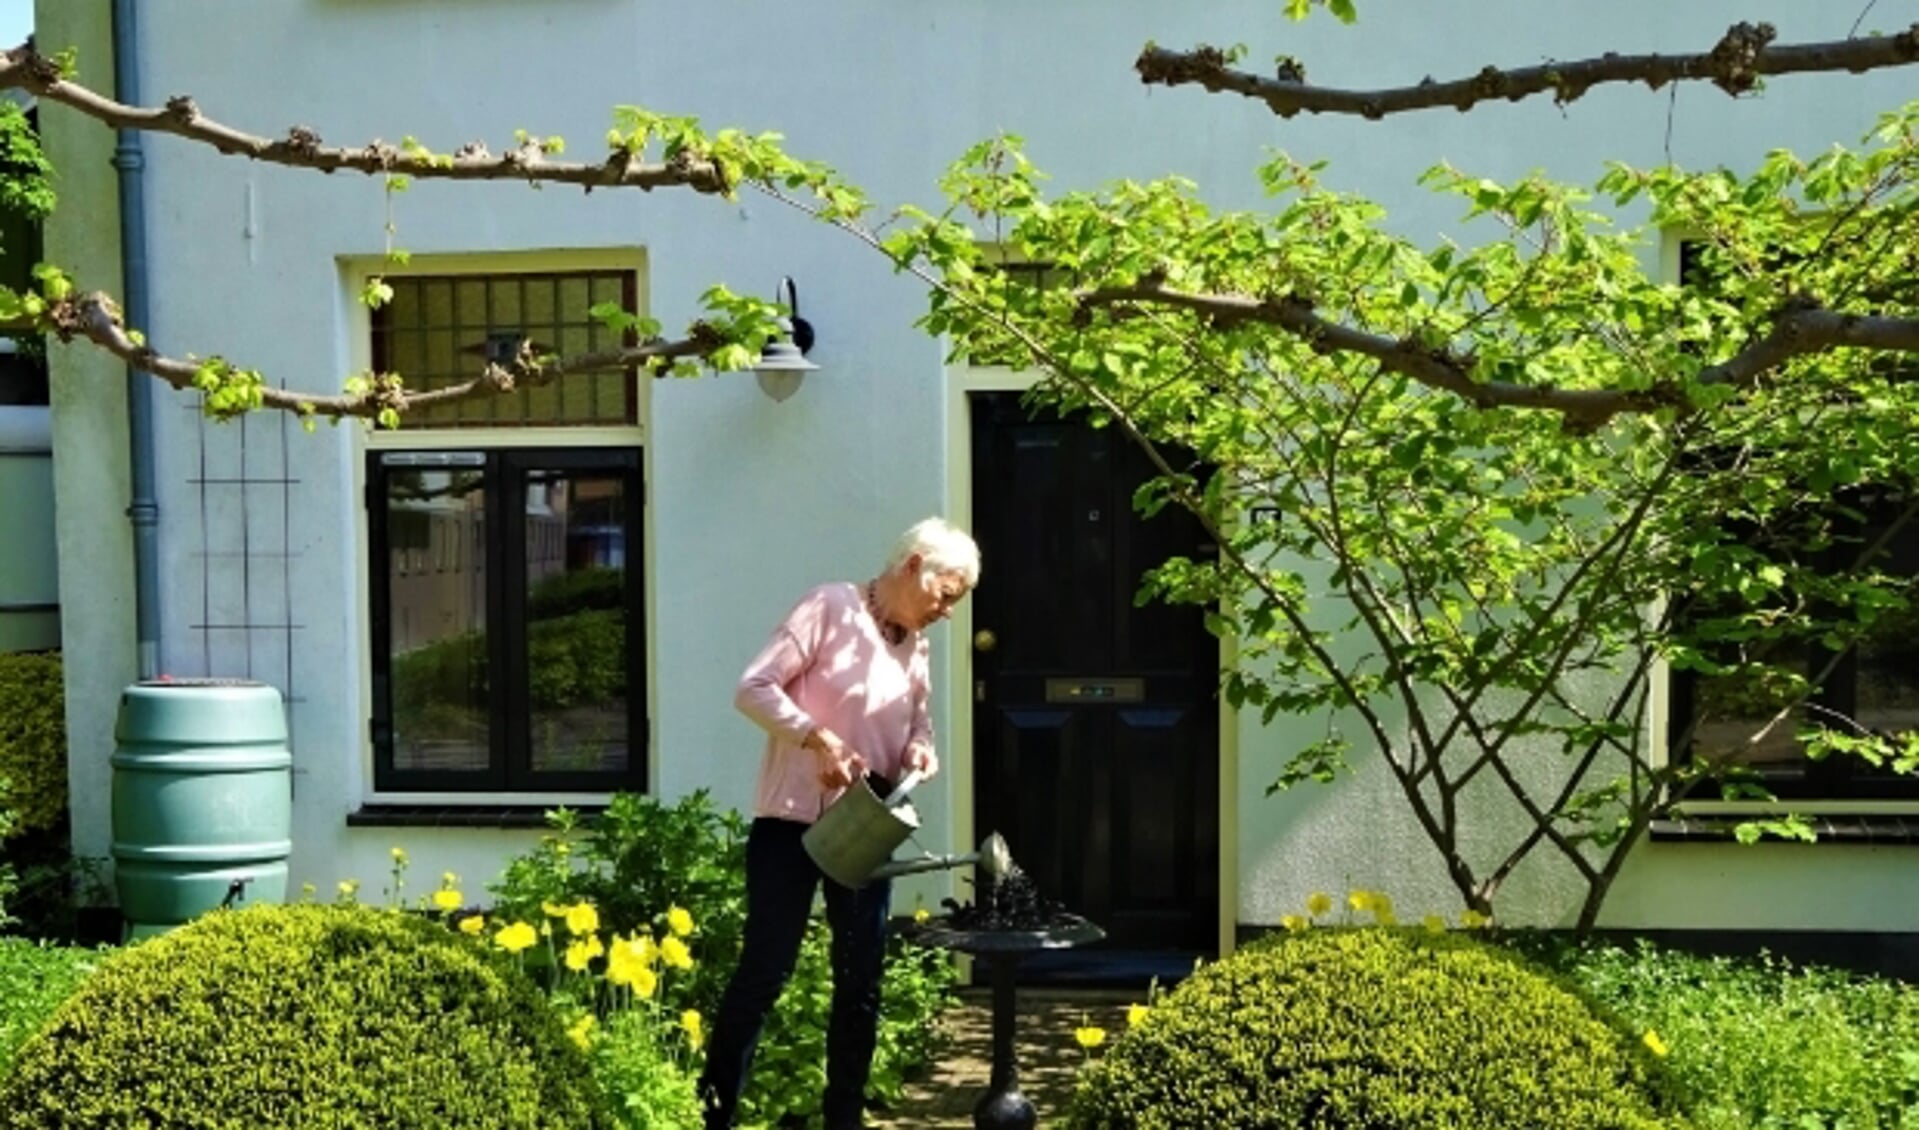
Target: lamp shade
<point x="782" y="356"/>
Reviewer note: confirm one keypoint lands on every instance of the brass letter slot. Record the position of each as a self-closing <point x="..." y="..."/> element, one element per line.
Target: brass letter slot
<point x="1095" y="690"/>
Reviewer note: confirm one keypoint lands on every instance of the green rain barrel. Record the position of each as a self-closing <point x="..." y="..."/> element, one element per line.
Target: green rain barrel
<point x="202" y="800"/>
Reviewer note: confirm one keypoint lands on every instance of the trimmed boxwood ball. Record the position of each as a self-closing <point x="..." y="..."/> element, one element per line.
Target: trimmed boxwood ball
<point x="303" y="1016"/>
<point x="1376" y="1029"/>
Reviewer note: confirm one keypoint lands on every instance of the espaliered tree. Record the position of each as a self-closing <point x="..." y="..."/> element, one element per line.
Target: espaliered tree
<point x="1471" y="500"/>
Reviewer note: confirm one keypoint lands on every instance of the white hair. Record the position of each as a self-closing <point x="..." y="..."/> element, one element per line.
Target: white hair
<point x="942" y="548"/>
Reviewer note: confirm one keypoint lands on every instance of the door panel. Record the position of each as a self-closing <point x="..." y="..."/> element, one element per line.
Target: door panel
<point x="1096" y="727"/>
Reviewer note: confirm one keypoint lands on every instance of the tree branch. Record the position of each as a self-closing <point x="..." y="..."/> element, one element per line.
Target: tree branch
<point x="1801" y="328"/>
<point x="1435" y="368"/>
<point x="1804" y="327"/>
<point x="96" y="317"/>
<point x="25" y="69"/>
<point x="1735" y="65"/>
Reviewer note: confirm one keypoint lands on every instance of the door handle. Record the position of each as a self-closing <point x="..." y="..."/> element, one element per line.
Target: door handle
<point x="985" y="640"/>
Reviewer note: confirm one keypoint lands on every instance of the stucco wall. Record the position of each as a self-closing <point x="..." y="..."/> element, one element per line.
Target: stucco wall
<point x="90" y="483"/>
<point x="752" y="501"/>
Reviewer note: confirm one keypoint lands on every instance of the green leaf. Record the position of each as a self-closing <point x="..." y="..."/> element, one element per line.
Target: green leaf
<point x="376" y="293"/>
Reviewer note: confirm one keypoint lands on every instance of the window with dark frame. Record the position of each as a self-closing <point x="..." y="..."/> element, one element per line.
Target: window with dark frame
<point x="1873" y="685"/>
<point x="527" y="675"/>
<point x="440" y="330"/>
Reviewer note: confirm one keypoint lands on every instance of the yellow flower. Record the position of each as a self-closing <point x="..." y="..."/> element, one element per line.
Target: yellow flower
<point x="645" y="981"/>
<point x="349" y="888"/>
<point x="581" y="953"/>
<point x="1318" y="903"/>
<point x="679" y="921"/>
<point x="1089" y="1037"/>
<point x="1472" y="919"/>
<point x="449" y="879"/>
<point x="399" y="857"/>
<point x="553" y="909"/>
<point x="1136" y="1013"/>
<point x="1434" y="924"/>
<point x="690" y="1024"/>
<point x="1293" y="922"/>
<point x="582" y="1031"/>
<point x="447" y="899"/>
<point x="674" y="952"/>
<point x="622" y="963"/>
<point x="516" y="937"/>
<point x="1385" y="917"/>
<point x="1654" y="1044"/>
<point x="581" y="918"/>
<point x="472" y="924"/>
<point x="1360" y="900"/>
<point x="922" y="914"/>
<point x="1382" y="908"/>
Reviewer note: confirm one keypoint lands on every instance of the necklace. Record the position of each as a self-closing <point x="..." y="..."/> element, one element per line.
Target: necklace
<point x="895" y="633"/>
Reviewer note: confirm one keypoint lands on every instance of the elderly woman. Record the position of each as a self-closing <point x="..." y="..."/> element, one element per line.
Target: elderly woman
<point x="841" y="691"/>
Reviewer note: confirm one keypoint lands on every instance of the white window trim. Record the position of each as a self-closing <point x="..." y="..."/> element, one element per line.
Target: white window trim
<point x="355" y="271"/>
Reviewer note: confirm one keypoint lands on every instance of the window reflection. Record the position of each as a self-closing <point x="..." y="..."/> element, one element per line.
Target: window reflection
<point x="437" y="618"/>
<point x="576" y="621"/>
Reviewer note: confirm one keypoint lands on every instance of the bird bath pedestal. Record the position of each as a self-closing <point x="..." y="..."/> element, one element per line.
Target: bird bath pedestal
<point x="1002" y="1107"/>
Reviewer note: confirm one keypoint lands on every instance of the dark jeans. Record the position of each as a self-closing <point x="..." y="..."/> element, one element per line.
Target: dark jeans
<point x="780" y="880"/>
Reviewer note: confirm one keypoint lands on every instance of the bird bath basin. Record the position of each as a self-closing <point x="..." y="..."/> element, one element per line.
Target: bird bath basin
<point x="1009" y="923"/>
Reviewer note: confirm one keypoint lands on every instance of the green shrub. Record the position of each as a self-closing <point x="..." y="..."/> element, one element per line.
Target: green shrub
<point x="33" y="739"/>
<point x="9" y="879"/>
<point x="1372" y="1028"/>
<point x="633" y="862"/>
<point x="34" y="978"/>
<point x="1758" y="1044"/>
<point x="641" y="857"/>
<point x="581" y="590"/>
<point x="303" y="1015"/>
<point x="571" y="660"/>
<point x="650" y="1084"/>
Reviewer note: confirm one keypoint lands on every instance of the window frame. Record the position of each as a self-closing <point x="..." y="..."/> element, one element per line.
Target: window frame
<point x="1836" y="778"/>
<point x="509" y="768"/>
<point x="377" y="332"/>
<point x="355" y="270"/>
<point x="1835" y="782"/>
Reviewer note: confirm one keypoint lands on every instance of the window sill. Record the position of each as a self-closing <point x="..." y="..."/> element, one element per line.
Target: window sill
<point x="457" y="815"/>
<point x="1832" y="829"/>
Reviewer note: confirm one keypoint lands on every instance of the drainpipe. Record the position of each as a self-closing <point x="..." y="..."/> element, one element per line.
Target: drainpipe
<point x="143" y="511"/>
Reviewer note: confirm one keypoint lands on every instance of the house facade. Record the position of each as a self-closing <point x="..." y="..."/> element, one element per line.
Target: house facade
<point x="535" y="601"/>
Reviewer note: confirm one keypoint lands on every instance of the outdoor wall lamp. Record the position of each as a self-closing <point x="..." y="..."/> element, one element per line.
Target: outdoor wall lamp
<point x="783" y="362"/>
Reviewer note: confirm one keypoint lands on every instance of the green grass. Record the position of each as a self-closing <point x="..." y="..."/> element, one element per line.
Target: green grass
<point x="34" y="978"/>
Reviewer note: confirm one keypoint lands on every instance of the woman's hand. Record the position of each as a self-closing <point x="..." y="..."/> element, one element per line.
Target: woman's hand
<point x="920" y="758"/>
<point x="839" y="766"/>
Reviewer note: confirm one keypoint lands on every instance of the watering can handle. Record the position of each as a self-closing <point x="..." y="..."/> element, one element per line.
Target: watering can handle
<point x="898" y="796"/>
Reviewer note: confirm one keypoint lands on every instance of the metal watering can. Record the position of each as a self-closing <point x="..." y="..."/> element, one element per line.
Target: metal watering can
<point x="854" y="839"/>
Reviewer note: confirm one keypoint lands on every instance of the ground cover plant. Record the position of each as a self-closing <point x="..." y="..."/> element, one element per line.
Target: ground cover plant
<point x="1756" y="1043"/>
<point x="34" y="978"/>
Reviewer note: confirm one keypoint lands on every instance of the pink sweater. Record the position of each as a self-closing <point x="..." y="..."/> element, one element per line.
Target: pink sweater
<point x="828" y="665"/>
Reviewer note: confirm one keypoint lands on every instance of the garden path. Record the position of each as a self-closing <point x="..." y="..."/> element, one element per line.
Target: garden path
<point x="1049" y="1059"/>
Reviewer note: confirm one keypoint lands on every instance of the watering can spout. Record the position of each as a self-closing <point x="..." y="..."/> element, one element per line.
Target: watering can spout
<point x="925" y="863"/>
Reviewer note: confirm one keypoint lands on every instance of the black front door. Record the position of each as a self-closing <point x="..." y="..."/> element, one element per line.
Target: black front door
<point x="1096" y="722"/>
